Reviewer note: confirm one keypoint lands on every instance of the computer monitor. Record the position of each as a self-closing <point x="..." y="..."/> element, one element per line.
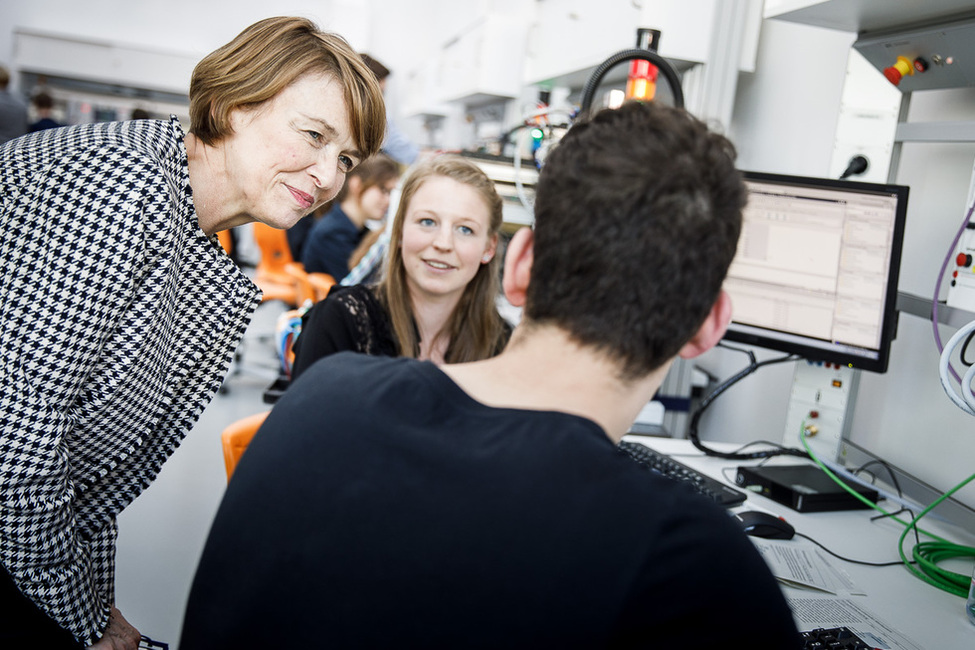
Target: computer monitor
<point x="816" y="269"/>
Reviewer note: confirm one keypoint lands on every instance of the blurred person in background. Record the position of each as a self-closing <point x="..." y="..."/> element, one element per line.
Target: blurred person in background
<point x="332" y="238"/>
<point x="396" y="145"/>
<point x="13" y="110"/>
<point x="43" y="106"/>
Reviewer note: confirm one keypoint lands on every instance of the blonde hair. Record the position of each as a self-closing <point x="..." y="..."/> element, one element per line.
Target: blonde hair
<point x="475" y="328"/>
<point x="267" y="57"/>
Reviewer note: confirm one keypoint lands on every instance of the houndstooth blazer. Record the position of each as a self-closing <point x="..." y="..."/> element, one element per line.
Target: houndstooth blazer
<point x="118" y="320"/>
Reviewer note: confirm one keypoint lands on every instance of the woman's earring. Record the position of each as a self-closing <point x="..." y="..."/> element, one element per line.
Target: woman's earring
<point x="486" y="259"/>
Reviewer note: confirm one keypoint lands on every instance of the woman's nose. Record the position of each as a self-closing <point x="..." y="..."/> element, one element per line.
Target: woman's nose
<point x="325" y="172"/>
<point x="444" y="239"/>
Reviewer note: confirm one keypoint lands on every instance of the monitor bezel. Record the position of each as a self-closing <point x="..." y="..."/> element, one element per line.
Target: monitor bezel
<point x="756" y="336"/>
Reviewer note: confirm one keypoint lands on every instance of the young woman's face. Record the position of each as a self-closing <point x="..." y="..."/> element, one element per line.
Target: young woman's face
<point x="446" y="238"/>
<point x="291" y="154"/>
<point x="374" y="201"/>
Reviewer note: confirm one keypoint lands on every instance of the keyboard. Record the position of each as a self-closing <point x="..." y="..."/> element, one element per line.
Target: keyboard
<point x="712" y="488"/>
<point x="841" y="638"/>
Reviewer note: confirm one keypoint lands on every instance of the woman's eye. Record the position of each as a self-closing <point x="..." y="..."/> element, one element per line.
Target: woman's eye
<point x="465" y="230"/>
<point x="346" y="164"/>
<point x="314" y="135"/>
<point x="425" y="221"/>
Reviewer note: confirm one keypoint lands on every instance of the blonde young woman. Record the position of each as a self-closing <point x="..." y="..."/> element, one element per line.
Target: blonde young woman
<point x="437" y="297"/>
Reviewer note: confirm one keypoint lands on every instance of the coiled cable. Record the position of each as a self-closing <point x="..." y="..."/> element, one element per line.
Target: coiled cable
<point x="592" y="83"/>
<point x="925" y="554"/>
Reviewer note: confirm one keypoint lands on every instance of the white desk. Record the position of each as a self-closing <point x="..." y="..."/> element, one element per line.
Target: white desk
<point x="932" y="618"/>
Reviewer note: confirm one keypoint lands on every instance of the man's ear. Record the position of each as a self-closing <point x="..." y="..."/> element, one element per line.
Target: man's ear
<point x="711" y="330"/>
<point x="518" y="260"/>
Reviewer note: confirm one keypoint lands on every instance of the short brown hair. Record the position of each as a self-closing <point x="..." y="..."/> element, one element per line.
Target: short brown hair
<point x="267" y="57"/>
<point x="43" y="100"/>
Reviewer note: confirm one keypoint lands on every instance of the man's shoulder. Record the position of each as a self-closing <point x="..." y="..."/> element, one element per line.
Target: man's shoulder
<point x="353" y="387"/>
<point x="350" y="371"/>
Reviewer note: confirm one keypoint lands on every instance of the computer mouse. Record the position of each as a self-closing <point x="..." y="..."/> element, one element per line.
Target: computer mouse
<point x="762" y="524"/>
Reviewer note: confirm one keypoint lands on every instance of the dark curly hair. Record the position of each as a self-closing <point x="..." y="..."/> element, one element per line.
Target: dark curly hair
<point x="637" y="217"/>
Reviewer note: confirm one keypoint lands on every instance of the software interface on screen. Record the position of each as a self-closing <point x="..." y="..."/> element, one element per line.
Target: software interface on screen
<point x="813" y="268"/>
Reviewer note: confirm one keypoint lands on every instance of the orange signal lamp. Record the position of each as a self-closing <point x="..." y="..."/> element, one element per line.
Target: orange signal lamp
<point x="897" y="71"/>
<point x="642" y="80"/>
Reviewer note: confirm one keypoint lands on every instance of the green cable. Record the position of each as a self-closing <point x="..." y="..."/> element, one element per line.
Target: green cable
<point x="929" y="553"/>
<point x="934" y="553"/>
<point x="926" y="554"/>
<point x="868" y="502"/>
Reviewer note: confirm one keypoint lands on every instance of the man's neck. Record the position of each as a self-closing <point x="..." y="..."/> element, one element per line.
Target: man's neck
<point x="543" y="369"/>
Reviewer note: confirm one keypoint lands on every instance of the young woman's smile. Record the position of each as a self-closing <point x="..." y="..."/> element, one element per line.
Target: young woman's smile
<point x="445" y="238"/>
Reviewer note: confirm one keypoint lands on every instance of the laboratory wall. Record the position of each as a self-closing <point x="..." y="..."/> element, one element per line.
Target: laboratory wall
<point x="904" y="415"/>
<point x="171" y="37"/>
<point x="179" y="26"/>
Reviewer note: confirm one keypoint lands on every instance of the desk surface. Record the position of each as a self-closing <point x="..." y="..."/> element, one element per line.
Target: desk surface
<point x="932" y="618"/>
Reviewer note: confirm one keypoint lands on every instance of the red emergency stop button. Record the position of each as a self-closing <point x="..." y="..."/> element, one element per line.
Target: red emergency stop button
<point x="897" y="71"/>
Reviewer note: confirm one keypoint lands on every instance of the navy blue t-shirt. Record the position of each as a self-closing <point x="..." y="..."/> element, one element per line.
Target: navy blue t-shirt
<point x="381" y="506"/>
<point x="330" y="243"/>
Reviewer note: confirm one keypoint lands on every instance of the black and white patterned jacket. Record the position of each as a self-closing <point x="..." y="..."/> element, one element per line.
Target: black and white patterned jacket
<point x="118" y="319"/>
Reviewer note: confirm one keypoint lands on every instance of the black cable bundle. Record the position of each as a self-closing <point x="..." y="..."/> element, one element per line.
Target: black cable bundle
<point x="695" y="418"/>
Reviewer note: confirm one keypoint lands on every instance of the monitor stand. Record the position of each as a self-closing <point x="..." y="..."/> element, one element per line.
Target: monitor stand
<point x="821" y="402"/>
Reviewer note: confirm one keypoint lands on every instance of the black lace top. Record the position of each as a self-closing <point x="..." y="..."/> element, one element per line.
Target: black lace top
<point x="351" y="318"/>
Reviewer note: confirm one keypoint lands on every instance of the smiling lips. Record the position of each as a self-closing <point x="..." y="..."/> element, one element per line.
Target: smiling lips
<point x="438" y="265"/>
<point x="303" y="199"/>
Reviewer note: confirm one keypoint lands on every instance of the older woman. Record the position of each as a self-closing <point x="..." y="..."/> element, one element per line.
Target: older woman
<point x="119" y="312"/>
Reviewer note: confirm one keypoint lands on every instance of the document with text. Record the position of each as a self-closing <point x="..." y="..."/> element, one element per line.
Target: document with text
<point x="832" y="594"/>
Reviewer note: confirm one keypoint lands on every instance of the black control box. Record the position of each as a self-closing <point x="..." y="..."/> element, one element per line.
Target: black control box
<point x="804" y="488"/>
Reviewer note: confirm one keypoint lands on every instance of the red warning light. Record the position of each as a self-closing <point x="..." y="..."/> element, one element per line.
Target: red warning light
<point x="642" y="80"/>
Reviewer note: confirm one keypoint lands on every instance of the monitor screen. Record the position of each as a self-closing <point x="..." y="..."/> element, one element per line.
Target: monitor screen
<point x="816" y="269"/>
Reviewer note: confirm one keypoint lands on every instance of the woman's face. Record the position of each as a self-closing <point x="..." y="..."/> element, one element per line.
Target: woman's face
<point x="291" y="154"/>
<point x="374" y="201"/>
<point x="446" y="238"/>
